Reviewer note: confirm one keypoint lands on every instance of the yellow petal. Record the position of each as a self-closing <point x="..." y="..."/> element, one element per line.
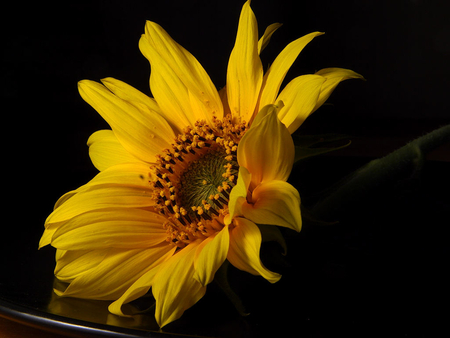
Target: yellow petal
<point x="210" y="256"/>
<point x="111" y="228"/>
<point x="143" y="135"/>
<point x="275" y="203"/>
<point x="105" y="150"/>
<point x="333" y="77"/>
<point x="245" y="72"/>
<point x="265" y="39"/>
<point x="129" y="180"/>
<point x="175" y="288"/>
<point x="130" y="94"/>
<point x="276" y="73"/>
<point x="245" y="245"/>
<point x="125" y="174"/>
<point x="224" y="99"/>
<point x="102" y="197"/>
<point x="141" y="286"/>
<point x="177" y="75"/>
<point x="118" y="270"/>
<point x="238" y="195"/>
<point x="46" y="237"/>
<point x="72" y="264"/>
<point x="267" y="149"/>
<point x="300" y="96"/>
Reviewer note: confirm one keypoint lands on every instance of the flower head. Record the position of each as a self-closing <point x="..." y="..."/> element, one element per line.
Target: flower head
<point x="186" y="176"/>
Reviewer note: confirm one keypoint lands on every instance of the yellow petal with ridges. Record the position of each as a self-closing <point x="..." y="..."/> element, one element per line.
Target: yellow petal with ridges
<point x="105" y="150"/>
<point x="275" y="203"/>
<point x="199" y="97"/>
<point x="130" y="94"/>
<point x="118" y="270"/>
<point x="72" y="264"/>
<point x="168" y="89"/>
<point x="245" y="72"/>
<point x="124" y="174"/>
<point x="141" y="286"/>
<point x="101" y="197"/>
<point x="276" y="73"/>
<point x="111" y="228"/>
<point x="210" y="256"/>
<point x="140" y="133"/>
<point x="267" y="150"/>
<point x="333" y="77"/>
<point x="174" y="287"/>
<point x="300" y="97"/>
<point x="245" y="245"/>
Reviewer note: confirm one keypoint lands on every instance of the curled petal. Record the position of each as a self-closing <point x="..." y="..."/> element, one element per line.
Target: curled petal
<point x="300" y="98"/>
<point x="276" y="203"/>
<point x="267" y="150"/>
<point x="333" y="77"/>
<point x="245" y="245"/>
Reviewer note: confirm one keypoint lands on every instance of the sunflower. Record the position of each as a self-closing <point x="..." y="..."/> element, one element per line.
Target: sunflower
<point x="185" y="176"/>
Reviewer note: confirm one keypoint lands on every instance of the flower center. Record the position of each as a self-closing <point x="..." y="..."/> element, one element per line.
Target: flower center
<point x="192" y="181"/>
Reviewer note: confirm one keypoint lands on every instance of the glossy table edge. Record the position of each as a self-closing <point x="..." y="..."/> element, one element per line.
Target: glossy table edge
<point x="67" y="326"/>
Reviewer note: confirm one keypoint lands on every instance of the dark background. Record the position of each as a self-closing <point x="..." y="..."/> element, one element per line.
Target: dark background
<point x="401" y="47"/>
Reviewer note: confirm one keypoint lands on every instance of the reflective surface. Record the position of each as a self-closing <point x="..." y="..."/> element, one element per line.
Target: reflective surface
<point x="381" y="270"/>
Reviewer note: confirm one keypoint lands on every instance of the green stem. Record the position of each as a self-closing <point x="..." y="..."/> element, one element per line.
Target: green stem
<point x="378" y="172"/>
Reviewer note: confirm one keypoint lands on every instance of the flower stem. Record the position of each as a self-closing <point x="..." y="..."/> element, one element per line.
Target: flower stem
<point x="377" y="172"/>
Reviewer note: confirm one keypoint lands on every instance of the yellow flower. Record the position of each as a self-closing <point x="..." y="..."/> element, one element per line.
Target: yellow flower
<point x="185" y="176"/>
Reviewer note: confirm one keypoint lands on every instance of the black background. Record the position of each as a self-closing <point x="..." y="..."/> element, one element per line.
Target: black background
<point x="401" y="47"/>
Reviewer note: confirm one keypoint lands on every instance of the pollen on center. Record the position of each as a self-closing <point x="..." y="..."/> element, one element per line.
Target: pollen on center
<point x="192" y="181"/>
